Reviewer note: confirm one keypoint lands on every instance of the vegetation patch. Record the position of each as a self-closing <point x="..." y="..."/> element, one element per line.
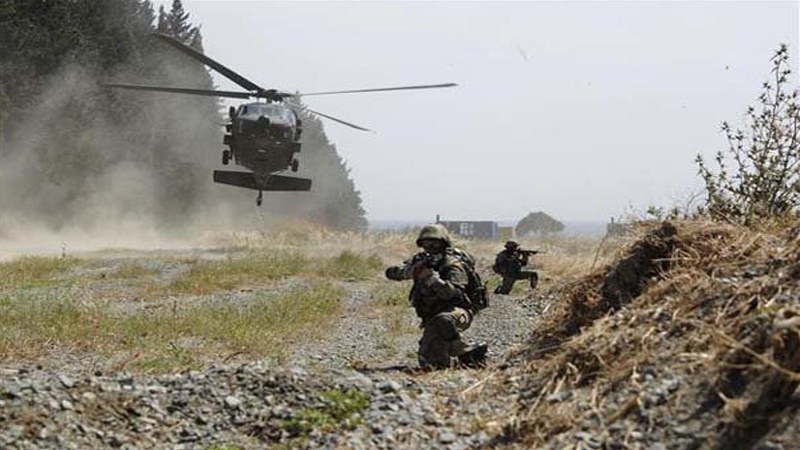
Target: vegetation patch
<point x="132" y="270"/>
<point x="340" y="408"/>
<point x="392" y="294"/>
<point x="698" y="322"/>
<point x="31" y="271"/>
<point x="30" y="326"/>
<point x="350" y="266"/>
<point x="205" y="277"/>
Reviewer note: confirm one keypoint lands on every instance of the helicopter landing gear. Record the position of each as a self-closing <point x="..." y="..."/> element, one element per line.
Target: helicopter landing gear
<point x="226" y="157"/>
<point x="260" y="198"/>
<point x="295" y="165"/>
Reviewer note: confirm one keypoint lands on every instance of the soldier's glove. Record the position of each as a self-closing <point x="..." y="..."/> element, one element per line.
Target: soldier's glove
<point x="429" y="277"/>
<point x="422" y="273"/>
<point x="395" y="273"/>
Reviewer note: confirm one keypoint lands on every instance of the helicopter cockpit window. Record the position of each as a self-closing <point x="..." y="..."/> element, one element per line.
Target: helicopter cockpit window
<point x="276" y="113"/>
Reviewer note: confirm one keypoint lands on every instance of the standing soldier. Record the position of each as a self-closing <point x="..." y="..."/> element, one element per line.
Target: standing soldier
<point x="509" y="263"/>
<point x="440" y="300"/>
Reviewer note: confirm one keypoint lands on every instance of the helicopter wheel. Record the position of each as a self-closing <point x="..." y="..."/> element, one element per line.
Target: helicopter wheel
<point x="295" y="165"/>
<point x="226" y="157"/>
<point x="259" y="198"/>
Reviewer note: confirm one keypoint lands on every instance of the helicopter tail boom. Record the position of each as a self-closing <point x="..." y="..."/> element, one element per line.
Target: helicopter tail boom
<point x="273" y="183"/>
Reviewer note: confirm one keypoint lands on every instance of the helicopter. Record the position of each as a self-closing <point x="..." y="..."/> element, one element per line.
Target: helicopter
<point x="262" y="136"/>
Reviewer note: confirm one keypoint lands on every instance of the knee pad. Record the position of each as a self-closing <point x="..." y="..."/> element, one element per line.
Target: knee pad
<point x="445" y="326"/>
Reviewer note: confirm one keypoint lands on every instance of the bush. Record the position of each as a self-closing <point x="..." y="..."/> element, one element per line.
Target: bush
<point x="764" y="178"/>
<point x="538" y="223"/>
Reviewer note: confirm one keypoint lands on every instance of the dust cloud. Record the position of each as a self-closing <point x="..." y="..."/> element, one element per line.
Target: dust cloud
<point x="79" y="173"/>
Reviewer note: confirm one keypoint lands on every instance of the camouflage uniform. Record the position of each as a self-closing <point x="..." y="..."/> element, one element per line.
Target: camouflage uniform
<point x="509" y="264"/>
<point x="439" y="300"/>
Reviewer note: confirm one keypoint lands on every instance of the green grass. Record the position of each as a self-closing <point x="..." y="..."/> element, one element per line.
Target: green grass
<point x="172" y="331"/>
<point x="341" y="407"/>
<point x="226" y="447"/>
<point x="391" y="298"/>
<point x="131" y="270"/>
<point x="392" y="294"/>
<point x="349" y="266"/>
<point x="205" y="277"/>
<point x="30" y="325"/>
<point x="32" y="271"/>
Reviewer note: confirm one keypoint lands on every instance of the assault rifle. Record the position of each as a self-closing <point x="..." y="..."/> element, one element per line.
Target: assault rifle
<point x="426" y="259"/>
<point x="529" y="252"/>
<point x="421" y="259"/>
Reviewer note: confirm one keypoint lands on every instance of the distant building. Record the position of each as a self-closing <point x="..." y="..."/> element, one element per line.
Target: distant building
<point x="472" y="229"/>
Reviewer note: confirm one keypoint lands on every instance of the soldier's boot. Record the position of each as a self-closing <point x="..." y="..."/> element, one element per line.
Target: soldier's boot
<point x="534" y="280"/>
<point x="474" y="357"/>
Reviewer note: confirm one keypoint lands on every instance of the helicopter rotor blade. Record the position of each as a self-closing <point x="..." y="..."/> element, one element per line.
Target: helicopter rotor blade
<point x="228" y="73"/>
<point x="208" y="92"/>
<point x="398" y="88"/>
<point x="351" y="125"/>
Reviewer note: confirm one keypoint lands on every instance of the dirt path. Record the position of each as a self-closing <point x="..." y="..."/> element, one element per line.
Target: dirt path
<point x="366" y="336"/>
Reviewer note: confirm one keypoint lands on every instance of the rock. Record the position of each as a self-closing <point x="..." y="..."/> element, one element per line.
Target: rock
<point x="493" y="427"/>
<point x="389" y="386"/>
<point x="559" y="397"/>
<point x="66" y="381"/>
<point x="446" y="437"/>
<point x="43" y="434"/>
<point x="361" y="381"/>
<point x="232" y="402"/>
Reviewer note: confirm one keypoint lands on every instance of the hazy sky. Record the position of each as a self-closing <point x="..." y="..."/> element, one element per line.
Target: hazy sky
<point x="585" y="110"/>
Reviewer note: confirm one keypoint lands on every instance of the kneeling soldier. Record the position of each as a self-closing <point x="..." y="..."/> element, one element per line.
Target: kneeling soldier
<point x="439" y="299"/>
<point x="509" y="263"/>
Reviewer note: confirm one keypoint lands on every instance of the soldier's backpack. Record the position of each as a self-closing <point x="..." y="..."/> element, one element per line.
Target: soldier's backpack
<point x="476" y="288"/>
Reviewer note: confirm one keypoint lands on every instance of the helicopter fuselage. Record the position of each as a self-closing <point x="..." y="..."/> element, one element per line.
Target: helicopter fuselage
<point x="264" y="137"/>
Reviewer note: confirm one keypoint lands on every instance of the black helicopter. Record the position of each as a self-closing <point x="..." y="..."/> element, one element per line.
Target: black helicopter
<point x="263" y="136"/>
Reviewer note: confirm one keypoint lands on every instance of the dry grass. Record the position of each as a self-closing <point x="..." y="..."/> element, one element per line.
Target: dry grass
<point x="151" y="312"/>
<point x="32" y="326"/>
<point x="713" y="312"/>
<point x="131" y="270"/>
<point x="258" y="267"/>
<point x="206" y="277"/>
<point x="31" y="271"/>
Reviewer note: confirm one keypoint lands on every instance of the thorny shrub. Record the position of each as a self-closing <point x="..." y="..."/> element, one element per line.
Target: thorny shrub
<point x="763" y="180"/>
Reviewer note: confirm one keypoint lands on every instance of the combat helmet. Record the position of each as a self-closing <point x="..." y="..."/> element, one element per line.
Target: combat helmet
<point x="512" y="245"/>
<point x="434" y="231"/>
